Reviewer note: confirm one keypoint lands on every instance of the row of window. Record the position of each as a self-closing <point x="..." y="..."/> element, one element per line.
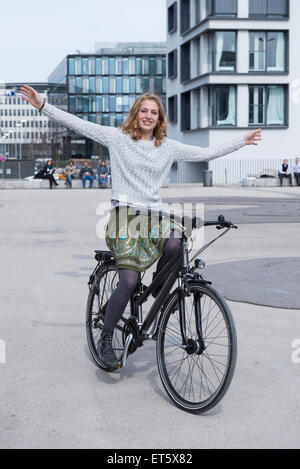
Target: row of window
<point x="108" y="103"/>
<point x="9" y="124"/>
<point x="14" y="101"/>
<point x="267" y="106"/>
<point x="117" y="66"/>
<point x="24" y="136"/>
<point x="267" y="53"/>
<point x="105" y="85"/>
<point x="273" y="9"/>
<point x="18" y="112"/>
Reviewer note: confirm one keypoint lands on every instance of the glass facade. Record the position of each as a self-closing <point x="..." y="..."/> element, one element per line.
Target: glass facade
<point x="103" y="89"/>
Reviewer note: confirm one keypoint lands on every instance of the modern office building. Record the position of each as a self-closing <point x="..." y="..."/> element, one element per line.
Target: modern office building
<point x="102" y="86"/>
<point x="24" y="133"/>
<point x="233" y="65"/>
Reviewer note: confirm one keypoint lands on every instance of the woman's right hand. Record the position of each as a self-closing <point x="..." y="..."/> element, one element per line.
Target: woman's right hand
<point x="32" y="96"/>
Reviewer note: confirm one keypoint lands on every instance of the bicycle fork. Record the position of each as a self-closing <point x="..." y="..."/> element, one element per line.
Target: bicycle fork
<point x="189" y="344"/>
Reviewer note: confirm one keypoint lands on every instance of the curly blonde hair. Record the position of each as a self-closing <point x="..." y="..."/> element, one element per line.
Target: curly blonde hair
<point x="131" y="126"/>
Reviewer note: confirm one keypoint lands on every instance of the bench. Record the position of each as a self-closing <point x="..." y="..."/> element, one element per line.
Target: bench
<point x="265" y="182"/>
<point x="41" y="184"/>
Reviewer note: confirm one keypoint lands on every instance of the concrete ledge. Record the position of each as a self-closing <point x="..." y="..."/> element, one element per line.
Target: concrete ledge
<point x="40" y="184"/>
<point x="264" y="182"/>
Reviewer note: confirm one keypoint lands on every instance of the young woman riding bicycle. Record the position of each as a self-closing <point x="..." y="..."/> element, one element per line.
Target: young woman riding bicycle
<point x="141" y="158"/>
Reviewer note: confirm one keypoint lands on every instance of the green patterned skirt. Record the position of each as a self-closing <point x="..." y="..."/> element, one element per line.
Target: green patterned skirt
<point x="137" y="240"/>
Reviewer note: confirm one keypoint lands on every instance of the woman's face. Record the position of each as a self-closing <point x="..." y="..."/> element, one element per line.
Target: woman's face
<point x="148" y="115"/>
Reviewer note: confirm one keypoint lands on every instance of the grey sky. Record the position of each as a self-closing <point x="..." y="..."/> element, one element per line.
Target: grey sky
<point x="35" y="36"/>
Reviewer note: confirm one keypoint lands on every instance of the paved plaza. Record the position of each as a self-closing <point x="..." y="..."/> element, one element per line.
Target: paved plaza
<point x="53" y="395"/>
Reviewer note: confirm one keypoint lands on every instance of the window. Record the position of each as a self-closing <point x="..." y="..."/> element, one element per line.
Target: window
<point x="132" y="85"/>
<point x="71" y="85"/>
<point x="119" y="66"/>
<point x="172" y="18"/>
<point x="267" y="105"/>
<point x="125" y="103"/>
<point x="172" y="64"/>
<point x="267" y="51"/>
<point x="92" y="85"/>
<point x="72" y="104"/>
<point x="269" y="8"/>
<point x="222" y="105"/>
<point x="98" y="103"/>
<point x="105" y="85"/>
<point x="92" y="103"/>
<point x="125" y="85"/>
<point x="92" y="66"/>
<point x="112" y="85"/>
<point x="145" y="66"/>
<point x="222" y="51"/>
<point x="152" y="66"/>
<point x="98" y="66"/>
<point x="119" y="84"/>
<point x="172" y="108"/>
<point x="138" y="66"/>
<point x="185" y="19"/>
<point x="224" y="8"/>
<point x="158" y="86"/>
<point x="186" y="111"/>
<point x="125" y="66"/>
<point x="112" y="104"/>
<point x="98" y="85"/>
<point x="71" y="67"/>
<point x="139" y="85"/>
<point x="78" y="68"/>
<point x="158" y="66"/>
<point x="131" y="66"/>
<point x="85" y="66"/>
<point x="185" y="62"/>
<point x="112" y="69"/>
<point x="78" y="85"/>
<point x="105" y="68"/>
<point x="198" y="11"/>
<point x="85" y="85"/>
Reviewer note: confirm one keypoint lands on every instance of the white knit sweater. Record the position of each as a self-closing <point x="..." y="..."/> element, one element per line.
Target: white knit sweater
<point x="139" y="168"/>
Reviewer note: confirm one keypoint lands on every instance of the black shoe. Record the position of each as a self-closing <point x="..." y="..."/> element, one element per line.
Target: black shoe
<point x="105" y="350"/>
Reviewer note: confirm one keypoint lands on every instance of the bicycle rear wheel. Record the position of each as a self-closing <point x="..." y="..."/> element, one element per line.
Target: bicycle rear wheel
<point x="196" y="381"/>
<point x="106" y="282"/>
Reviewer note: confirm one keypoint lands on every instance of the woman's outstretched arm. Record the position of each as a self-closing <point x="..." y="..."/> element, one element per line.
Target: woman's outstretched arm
<point x="96" y="132"/>
<point x="184" y="152"/>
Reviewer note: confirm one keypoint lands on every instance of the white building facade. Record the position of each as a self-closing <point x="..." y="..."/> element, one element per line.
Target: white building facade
<point x="24" y="132"/>
<point x="232" y="65"/>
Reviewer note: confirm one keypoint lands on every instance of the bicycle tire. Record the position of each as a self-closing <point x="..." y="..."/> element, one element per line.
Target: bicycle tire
<point x="169" y="336"/>
<point x="99" y="294"/>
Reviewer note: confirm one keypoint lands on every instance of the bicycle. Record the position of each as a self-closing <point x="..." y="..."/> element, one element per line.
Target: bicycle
<point x="196" y="346"/>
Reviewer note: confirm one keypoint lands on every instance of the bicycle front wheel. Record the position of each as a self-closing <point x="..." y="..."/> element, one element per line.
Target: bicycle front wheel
<point x="196" y="379"/>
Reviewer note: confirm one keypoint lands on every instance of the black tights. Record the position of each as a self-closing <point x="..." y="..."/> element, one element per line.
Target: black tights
<point x="127" y="284"/>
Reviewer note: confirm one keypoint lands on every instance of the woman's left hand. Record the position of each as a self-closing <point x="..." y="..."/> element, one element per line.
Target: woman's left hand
<point x="252" y="137"/>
